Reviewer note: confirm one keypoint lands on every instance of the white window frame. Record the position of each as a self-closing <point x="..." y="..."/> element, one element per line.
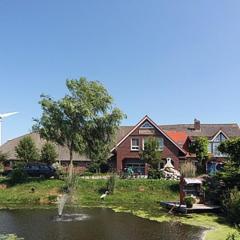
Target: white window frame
<point x="135" y="147"/>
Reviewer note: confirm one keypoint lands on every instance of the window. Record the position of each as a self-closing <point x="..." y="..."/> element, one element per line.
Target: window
<point x="209" y="147"/>
<point x="160" y="141"/>
<point x="146" y="125"/>
<point x="135" y="144"/>
<point x="161" y="144"/>
<point x="213" y="145"/>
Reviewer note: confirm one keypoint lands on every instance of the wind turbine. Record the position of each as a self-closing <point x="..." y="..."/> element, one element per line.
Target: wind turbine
<point x="2" y="116"/>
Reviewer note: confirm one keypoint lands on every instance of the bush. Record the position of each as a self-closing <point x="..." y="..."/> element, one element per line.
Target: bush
<point x="18" y="175"/>
<point x="155" y="174"/>
<point x="111" y="184"/>
<point x="59" y="170"/>
<point x="96" y="167"/>
<point x="189" y="200"/>
<point x="214" y="190"/>
<point x="232" y="206"/>
<point x="104" y="167"/>
<point x="93" y="167"/>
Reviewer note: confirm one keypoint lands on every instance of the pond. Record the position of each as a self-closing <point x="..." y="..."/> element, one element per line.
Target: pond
<point x="90" y="224"/>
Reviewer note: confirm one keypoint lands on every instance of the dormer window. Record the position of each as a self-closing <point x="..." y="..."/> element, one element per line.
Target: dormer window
<point x="146" y="125"/>
<point x="214" y="143"/>
<point x="135" y="143"/>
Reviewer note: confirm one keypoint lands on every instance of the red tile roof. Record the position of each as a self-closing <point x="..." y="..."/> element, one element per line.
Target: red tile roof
<point x="178" y="137"/>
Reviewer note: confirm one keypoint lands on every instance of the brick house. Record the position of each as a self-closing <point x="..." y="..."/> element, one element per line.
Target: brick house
<point x="174" y="141"/>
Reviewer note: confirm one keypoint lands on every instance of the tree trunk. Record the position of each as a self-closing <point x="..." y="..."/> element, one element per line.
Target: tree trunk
<point x="70" y="170"/>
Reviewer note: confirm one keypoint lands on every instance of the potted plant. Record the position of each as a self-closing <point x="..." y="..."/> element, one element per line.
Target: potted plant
<point x="189" y="201"/>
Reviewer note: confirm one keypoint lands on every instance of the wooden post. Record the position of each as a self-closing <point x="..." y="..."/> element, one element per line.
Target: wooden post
<point x="181" y="186"/>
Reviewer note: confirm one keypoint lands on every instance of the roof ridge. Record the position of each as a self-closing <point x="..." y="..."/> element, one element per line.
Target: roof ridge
<point x="14" y="139"/>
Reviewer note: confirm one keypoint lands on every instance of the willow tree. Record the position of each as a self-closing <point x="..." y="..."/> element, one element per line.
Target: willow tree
<point x="84" y="120"/>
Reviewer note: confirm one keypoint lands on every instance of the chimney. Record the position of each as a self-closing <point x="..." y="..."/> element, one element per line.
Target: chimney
<point x="197" y="124"/>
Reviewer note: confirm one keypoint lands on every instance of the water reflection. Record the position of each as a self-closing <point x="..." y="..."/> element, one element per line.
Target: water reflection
<point x="90" y="224"/>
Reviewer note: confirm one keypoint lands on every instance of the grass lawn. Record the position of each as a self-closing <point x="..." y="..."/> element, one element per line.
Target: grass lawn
<point x="44" y="193"/>
<point x="139" y="192"/>
<point x="141" y="197"/>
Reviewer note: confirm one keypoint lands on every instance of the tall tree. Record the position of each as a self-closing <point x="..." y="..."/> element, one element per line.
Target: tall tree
<point x="26" y="150"/>
<point x="48" y="153"/>
<point x="230" y="173"/>
<point x="200" y="148"/>
<point x="226" y="183"/>
<point x="232" y="148"/>
<point x="83" y="120"/>
<point x="151" y="153"/>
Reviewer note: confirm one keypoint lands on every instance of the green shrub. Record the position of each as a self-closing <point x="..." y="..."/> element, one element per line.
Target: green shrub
<point x="93" y="167"/>
<point x="18" y="175"/>
<point x="232" y="206"/>
<point x="189" y="200"/>
<point x="96" y="167"/>
<point x="155" y="174"/>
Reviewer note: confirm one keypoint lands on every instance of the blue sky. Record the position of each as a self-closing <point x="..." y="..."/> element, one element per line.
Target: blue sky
<point x="173" y="60"/>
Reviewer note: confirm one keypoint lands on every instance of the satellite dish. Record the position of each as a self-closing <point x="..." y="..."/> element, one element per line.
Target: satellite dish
<point x="2" y="116"/>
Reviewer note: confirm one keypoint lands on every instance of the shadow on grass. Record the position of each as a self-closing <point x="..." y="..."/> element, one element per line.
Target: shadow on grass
<point x="7" y="181"/>
<point x="174" y="187"/>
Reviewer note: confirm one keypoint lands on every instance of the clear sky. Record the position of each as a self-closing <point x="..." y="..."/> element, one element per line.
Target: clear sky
<point x="173" y="60"/>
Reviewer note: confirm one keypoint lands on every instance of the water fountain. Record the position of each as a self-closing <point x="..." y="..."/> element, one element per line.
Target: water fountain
<point x="68" y="191"/>
<point x="66" y="197"/>
<point x="61" y="203"/>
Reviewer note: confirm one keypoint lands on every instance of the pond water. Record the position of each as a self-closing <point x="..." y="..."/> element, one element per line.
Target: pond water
<point x="90" y="224"/>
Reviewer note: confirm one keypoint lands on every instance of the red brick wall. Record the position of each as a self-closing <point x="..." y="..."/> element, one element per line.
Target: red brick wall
<point x="123" y="151"/>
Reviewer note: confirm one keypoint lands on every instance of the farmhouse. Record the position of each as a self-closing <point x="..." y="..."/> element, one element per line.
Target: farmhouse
<point x="174" y="141"/>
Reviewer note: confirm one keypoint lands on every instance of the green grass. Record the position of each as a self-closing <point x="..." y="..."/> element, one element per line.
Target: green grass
<point x="140" y="197"/>
<point x="130" y="192"/>
<point x="9" y="237"/>
<point x="21" y="194"/>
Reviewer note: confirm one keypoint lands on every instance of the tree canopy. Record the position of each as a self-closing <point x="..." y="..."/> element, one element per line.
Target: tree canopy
<point x="200" y="148"/>
<point x="232" y="148"/>
<point x="26" y="150"/>
<point x="84" y="120"/>
<point x="226" y="183"/>
<point x="48" y="153"/>
<point x="151" y="153"/>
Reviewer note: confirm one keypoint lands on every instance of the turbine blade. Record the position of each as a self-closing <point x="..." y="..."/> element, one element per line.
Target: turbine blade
<point x="3" y="115"/>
